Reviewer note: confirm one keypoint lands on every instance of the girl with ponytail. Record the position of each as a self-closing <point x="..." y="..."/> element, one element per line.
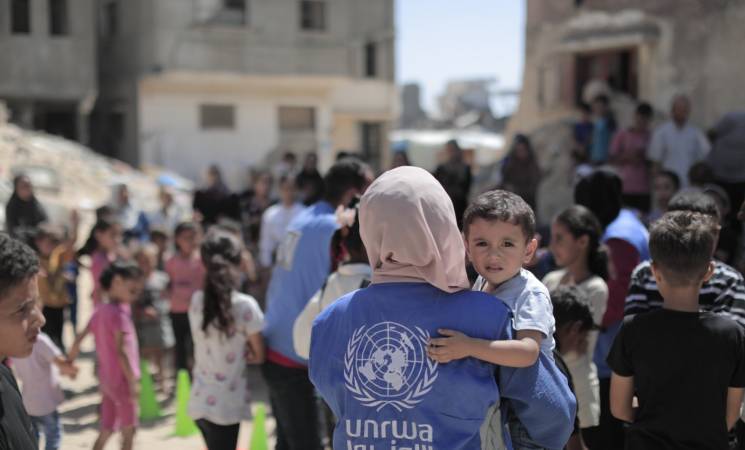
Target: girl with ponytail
<point x="575" y="245"/>
<point x="101" y="247"/>
<point x="226" y="328"/>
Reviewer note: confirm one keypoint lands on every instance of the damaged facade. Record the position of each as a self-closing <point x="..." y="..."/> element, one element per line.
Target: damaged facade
<point x="633" y="50"/>
<point x="48" y="73"/>
<point x="644" y="50"/>
<point x="185" y="84"/>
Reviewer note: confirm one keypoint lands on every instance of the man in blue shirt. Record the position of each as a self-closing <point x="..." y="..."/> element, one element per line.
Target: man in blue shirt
<point x="303" y="264"/>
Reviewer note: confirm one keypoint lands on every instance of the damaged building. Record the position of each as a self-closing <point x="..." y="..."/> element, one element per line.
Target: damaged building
<point x="643" y="50"/>
<point x="633" y="50"/>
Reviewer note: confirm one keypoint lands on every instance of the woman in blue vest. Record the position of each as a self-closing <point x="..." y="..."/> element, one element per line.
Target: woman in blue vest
<point x="368" y="350"/>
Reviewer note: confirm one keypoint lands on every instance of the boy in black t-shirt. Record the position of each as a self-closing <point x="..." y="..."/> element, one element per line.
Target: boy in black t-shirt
<point x="686" y="367"/>
<point x="20" y="323"/>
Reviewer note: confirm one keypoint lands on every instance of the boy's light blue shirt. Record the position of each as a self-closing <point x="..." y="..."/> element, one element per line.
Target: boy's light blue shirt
<point x="530" y="303"/>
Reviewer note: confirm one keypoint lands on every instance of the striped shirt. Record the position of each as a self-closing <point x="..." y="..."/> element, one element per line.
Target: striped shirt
<point x="724" y="293"/>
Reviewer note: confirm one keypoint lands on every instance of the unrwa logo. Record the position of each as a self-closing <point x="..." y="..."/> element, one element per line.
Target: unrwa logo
<point x="387" y="365"/>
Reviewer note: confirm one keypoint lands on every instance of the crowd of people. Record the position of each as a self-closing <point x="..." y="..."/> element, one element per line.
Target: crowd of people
<point x="378" y="294"/>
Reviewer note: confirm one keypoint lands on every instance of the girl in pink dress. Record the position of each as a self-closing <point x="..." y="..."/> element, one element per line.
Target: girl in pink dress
<point x="117" y="352"/>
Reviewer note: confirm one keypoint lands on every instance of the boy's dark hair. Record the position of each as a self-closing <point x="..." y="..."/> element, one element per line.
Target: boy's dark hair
<point x="700" y="173"/>
<point x="672" y="176"/>
<point x="345" y="174"/>
<point x="600" y="192"/>
<point x="644" y="109"/>
<point x="184" y="227"/>
<point x="682" y="244"/>
<point x="502" y="206"/>
<point x="18" y="262"/>
<point x="601" y="98"/>
<point x="572" y="305"/>
<point x="287" y="178"/>
<point x="585" y="108"/>
<point x="694" y="201"/>
<point x="159" y="232"/>
<point x="123" y="269"/>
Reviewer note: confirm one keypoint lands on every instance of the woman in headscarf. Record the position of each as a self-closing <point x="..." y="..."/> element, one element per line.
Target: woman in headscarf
<point x="23" y="211"/>
<point x="368" y="349"/>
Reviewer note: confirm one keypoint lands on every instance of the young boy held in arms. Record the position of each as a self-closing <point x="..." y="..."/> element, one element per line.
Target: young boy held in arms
<point x="499" y="229"/>
<point x="685" y="366"/>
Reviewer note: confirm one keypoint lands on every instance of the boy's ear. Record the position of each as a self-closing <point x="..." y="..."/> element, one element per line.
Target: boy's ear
<point x="709" y="272"/>
<point x="530" y="250"/>
<point x="656" y="273"/>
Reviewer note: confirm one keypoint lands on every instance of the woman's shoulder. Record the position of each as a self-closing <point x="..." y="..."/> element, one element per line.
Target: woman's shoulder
<point x="595" y="285"/>
<point x="552" y="280"/>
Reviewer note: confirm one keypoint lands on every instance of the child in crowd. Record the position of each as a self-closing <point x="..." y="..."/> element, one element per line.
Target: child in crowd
<point x="582" y="133"/>
<point x="40" y="387"/>
<point x="666" y="184"/>
<point x="101" y="246"/>
<point x="353" y="273"/>
<point x="499" y="229"/>
<point x="575" y="245"/>
<point x="628" y="154"/>
<point x="186" y="273"/>
<point x="160" y="237"/>
<point x="574" y="323"/>
<point x="723" y="293"/>
<point x="678" y="359"/>
<point x="20" y="324"/>
<point x="154" y="332"/>
<point x="226" y="326"/>
<point x="118" y="356"/>
<point x="55" y="252"/>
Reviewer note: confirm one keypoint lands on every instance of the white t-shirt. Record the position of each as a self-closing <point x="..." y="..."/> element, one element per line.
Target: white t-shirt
<point x="219" y="390"/>
<point x="348" y="278"/>
<point x="274" y="224"/>
<point x="583" y="370"/>
<point x="40" y="380"/>
<point x="677" y="149"/>
<point x="530" y="303"/>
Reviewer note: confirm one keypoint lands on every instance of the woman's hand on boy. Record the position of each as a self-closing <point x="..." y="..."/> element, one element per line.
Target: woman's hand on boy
<point x="455" y="345"/>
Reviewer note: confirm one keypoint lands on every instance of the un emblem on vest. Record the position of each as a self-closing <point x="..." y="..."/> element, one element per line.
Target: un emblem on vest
<point x="387" y="365"/>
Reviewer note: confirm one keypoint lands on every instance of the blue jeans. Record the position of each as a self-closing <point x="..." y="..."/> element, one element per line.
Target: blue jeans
<point x="52" y="429"/>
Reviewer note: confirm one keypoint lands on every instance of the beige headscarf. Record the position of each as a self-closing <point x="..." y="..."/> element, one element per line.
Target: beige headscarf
<point x="407" y="223"/>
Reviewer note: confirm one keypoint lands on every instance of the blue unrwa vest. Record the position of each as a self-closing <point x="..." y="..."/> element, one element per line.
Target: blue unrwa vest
<point x="303" y="263"/>
<point x="368" y="360"/>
